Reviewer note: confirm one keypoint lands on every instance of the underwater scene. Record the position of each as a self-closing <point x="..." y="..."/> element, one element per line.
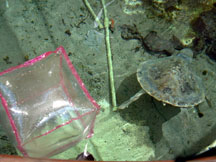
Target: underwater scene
<point x="107" y="80"/>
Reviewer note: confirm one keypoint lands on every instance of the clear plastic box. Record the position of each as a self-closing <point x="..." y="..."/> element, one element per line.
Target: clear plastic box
<point x="45" y="107"/>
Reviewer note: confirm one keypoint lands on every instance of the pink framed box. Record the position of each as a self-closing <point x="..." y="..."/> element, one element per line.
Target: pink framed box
<point x="45" y="107"/>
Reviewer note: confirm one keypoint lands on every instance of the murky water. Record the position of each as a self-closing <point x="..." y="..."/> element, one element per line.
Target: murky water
<point x="139" y="31"/>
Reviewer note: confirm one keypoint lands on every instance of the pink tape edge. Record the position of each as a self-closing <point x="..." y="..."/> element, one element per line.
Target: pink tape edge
<point x="27" y="63"/>
<point x="82" y="85"/>
<point x="74" y="72"/>
<point x="4" y="102"/>
<point x="13" y="125"/>
<point x="58" y="126"/>
<point x="31" y="62"/>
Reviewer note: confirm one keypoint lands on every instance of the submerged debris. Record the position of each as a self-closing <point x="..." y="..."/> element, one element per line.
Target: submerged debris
<point x="130" y="32"/>
<point x="152" y="41"/>
<point x="165" y="8"/>
<point x="174" y="9"/>
<point x="85" y="157"/>
<point x="7" y="60"/>
<point x="205" y="26"/>
<point x="157" y="44"/>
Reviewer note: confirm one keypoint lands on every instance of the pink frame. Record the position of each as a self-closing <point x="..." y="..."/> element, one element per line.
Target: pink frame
<point x="29" y="63"/>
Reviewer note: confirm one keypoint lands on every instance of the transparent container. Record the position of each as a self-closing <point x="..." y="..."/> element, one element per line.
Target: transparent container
<point x="45" y="107"/>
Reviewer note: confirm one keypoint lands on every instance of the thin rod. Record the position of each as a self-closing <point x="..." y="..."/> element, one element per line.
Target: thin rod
<point x="93" y="14"/>
<point x="109" y="57"/>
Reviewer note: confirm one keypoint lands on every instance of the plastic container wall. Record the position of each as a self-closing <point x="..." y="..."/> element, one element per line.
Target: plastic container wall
<point x="45" y="105"/>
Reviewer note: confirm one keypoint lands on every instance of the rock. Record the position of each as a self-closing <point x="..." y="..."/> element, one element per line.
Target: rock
<point x="130" y="32"/>
<point x="157" y="44"/>
<point x="151" y="41"/>
<point x="205" y="26"/>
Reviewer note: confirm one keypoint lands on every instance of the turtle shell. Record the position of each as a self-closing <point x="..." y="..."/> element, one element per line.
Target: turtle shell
<point x="171" y="81"/>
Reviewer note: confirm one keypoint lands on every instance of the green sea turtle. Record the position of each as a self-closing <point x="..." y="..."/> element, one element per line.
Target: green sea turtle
<point x="170" y="80"/>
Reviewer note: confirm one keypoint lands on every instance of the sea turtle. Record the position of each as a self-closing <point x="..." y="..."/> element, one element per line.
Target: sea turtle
<point x="170" y="80"/>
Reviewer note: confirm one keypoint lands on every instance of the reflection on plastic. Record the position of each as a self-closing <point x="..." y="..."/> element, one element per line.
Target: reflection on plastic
<point x="45" y="106"/>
